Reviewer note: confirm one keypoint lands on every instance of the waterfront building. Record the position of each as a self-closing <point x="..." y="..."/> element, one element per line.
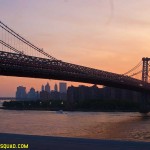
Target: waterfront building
<point x="110" y="93"/>
<point x="82" y="93"/>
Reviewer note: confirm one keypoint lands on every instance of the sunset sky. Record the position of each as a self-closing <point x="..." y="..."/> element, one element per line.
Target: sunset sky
<point x="110" y="35"/>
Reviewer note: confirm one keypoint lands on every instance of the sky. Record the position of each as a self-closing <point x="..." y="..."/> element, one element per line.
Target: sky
<point x="110" y="35"/>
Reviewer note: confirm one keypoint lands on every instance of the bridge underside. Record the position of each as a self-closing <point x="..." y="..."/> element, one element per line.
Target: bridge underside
<point x="12" y="64"/>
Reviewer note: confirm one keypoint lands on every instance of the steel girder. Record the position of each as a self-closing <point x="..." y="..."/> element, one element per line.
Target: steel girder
<point x="12" y="64"/>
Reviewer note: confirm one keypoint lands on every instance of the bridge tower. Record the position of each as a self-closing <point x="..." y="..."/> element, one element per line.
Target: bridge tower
<point x="144" y="108"/>
<point x="145" y="69"/>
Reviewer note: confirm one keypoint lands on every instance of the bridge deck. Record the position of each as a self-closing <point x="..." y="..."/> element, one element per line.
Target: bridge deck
<point x="12" y="64"/>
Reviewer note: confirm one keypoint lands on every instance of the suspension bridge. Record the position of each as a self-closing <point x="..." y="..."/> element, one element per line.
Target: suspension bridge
<point x="19" y="57"/>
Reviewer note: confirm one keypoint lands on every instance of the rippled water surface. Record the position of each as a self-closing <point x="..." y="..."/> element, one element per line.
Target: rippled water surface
<point x="96" y="125"/>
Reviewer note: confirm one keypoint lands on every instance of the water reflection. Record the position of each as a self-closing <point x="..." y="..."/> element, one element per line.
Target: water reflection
<point x="132" y="128"/>
<point x="123" y="126"/>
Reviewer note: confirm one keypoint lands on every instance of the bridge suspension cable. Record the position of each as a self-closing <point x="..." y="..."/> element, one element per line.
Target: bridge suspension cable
<point x="10" y="47"/>
<point x="134" y="68"/>
<point x="9" y="30"/>
<point x="139" y="73"/>
<point x="134" y="74"/>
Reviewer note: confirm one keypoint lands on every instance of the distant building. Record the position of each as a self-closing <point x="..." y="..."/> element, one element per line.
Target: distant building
<point x="62" y="87"/>
<point x="63" y="96"/>
<point x="42" y="88"/>
<point x="21" y="93"/>
<point x="32" y="94"/>
<point x="55" y="95"/>
<point x="44" y="95"/>
<point x="47" y="88"/>
<point x="55" y="88"/>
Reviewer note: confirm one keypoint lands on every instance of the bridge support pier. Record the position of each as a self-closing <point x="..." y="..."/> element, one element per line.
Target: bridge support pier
<point x="144" y="105"/>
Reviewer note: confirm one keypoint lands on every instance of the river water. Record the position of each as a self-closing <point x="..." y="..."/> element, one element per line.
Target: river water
<point x="95" y="125"/>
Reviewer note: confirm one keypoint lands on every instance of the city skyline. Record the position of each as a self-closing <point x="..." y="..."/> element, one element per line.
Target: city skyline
<point x="59" y="91"/>
<point x="45" y="88"/>
<point x="106" y="31"/>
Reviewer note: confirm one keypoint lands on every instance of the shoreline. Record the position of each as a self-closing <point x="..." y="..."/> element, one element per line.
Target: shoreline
<point x="85" y="106"/>
<point x="77" y="110"/>
<point x="57" y="143"/>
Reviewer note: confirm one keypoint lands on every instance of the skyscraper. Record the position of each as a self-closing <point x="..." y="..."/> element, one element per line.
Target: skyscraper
<point x="42" y="88"/>
<point x="32" y="95"/>
<point x="21" y="92"/>
<point x="63" y="87"/>
<point x="47" y="88"/>
<point x="55" y="88"/>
